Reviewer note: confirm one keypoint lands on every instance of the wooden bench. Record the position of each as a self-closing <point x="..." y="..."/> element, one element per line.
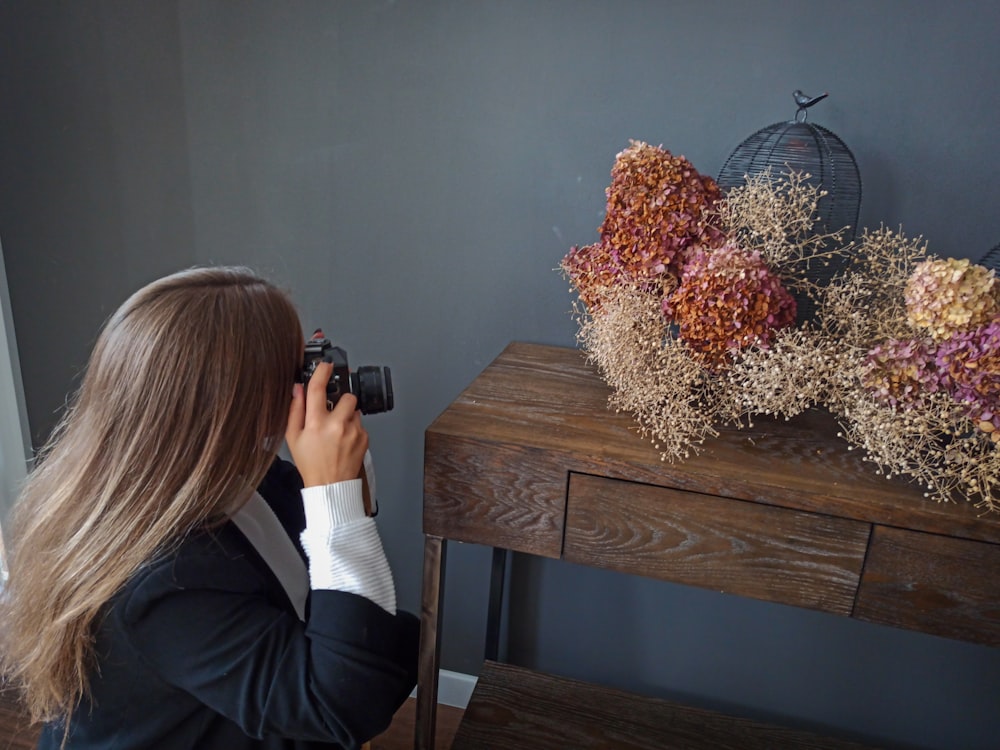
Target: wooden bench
<point x="518" y="708"/>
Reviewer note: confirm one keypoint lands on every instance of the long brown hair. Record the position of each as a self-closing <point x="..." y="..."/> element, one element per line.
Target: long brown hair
<point x="180" y="413"/>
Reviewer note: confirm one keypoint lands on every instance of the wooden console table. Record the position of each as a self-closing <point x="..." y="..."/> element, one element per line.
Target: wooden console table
<point x="529" y="458"/>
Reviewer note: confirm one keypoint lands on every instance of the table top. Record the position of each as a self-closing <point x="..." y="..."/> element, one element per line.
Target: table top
<point x="551" y="400"/>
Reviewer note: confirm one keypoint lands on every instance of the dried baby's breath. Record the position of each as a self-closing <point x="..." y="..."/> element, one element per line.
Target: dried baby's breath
<point x="798" y="371"/>
<point x="775" y="215"/>
<point x="865" y="303"/>
<point x="653" y="375"/>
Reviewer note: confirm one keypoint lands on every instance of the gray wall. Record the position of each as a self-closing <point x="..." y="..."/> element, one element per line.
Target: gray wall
<point x="413" y="172"/>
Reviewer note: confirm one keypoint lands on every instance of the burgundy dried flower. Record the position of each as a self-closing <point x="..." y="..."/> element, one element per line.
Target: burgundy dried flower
<point x="969" y="366"/>
<point x="728" y="299"/>
<point x="900" y="372"/>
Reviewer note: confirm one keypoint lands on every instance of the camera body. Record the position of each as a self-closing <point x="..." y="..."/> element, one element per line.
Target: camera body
<point x="372" y="385"/>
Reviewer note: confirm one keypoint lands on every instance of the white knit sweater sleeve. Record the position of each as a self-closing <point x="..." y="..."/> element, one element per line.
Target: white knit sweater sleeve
<point x="344" y="548"/>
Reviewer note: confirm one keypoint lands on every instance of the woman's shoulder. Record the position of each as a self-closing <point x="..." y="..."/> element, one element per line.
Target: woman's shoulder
<point x="282" y="477"/>
<point x="219" y="558"/>
<point x="216" y="559"/>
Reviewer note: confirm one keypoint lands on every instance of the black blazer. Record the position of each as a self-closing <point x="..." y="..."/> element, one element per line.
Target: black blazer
<point x="203" y="650"/>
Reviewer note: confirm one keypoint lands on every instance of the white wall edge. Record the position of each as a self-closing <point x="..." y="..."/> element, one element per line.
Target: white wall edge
<point x="454" y="688"/>
<point x="15" y="442"/>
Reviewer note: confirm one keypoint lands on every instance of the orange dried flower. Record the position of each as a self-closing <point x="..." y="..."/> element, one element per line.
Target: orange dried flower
<point x="658" y="207"/>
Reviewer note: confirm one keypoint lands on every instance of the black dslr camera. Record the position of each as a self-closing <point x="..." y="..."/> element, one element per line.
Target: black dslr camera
<point x="372" y="385"/>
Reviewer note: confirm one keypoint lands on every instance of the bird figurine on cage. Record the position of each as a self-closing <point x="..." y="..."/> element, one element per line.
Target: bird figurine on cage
<point x="805" y="101"/>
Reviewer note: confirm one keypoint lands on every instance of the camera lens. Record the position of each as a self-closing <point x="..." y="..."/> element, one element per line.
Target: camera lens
<point x="373" y="387"/>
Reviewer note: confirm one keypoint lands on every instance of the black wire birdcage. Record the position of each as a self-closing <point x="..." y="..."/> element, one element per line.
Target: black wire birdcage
<point x="800" y="146"/>
<point x="991" y="259"/>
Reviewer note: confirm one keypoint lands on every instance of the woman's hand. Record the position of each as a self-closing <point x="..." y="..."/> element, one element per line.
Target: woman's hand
<point x="326" y="446"/>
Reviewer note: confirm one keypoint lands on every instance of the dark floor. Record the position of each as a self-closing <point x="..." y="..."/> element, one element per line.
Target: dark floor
<point x="400" y="734"/>
<point x="15" y="734"/>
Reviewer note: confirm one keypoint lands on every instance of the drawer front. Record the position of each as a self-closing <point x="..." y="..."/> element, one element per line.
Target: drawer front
<point x="935" y="584"/>
<point x="732" y="546"/>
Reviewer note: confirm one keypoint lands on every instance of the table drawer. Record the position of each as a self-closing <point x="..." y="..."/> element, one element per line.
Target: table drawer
<point x="732" y="546"/>
<point x="935" y="584"/>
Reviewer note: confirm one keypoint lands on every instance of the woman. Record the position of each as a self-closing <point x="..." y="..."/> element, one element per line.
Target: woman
<point x="156" y="600"/>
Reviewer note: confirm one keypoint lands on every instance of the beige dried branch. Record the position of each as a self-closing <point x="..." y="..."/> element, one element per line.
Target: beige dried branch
<point x="652" y="374"/>
<point x="795" y="373"/>
<point x="777" y="216"/>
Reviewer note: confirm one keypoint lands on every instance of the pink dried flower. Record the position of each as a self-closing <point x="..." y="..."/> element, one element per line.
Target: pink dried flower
<point x="947" y="296"/>
<point x="969" y="366"/>
<point x="728" y="299"/>
<point x="900" y="372"/>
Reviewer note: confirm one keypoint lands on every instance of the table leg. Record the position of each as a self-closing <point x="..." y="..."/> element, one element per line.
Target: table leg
<point x="430" y="642"/>
<point x="496" y="604"/>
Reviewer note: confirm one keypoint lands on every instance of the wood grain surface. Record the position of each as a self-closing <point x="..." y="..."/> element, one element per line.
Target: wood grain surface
<point x="500" y="495"/>
<point x="732" y="546"/>
<point x="513" y="709"/>
<point x="428" y="660"/>
<point x="932" y="583"/>
<point x="529" y="458"/>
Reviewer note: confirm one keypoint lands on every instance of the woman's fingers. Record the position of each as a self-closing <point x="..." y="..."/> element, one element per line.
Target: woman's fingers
<point x="296" y="413"/>
<point x="316" y="391"/>
<point x="327" y="445"/>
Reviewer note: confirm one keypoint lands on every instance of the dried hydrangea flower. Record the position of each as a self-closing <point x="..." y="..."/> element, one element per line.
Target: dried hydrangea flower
<point x="951" y="295"/>
<point x="728" y="299"/>
<point x="921" y="405"/>
<point x="658" y="206"/>
<point x="901" y="372"/>
<point x="969" y="363"/>
<point x="592" y="269"/>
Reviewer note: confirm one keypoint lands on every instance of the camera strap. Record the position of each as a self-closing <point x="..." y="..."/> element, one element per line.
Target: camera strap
<point x="264" y="531"/>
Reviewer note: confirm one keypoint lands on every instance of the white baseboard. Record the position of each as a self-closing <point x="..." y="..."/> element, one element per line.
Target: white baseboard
<point x="454" y="688"/>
